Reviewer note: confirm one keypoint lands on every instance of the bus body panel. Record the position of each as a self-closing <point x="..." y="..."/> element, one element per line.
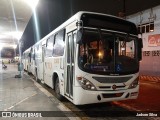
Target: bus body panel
<point x="49" y="67"/>
<point x="71" y="31"/>
<point x="39" y="60"/>
<point x="68" y="72"/>
<point x="106" y="88"/>
<point x="92" y="96"/>
<point x="33" y="65"/>
<point x="26" y="61"/>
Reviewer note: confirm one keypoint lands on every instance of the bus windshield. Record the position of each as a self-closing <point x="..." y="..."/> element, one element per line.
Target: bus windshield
<point x="107" y="53"/>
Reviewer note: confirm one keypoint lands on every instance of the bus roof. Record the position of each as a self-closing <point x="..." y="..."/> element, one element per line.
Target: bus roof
<point x="77" y="17"/>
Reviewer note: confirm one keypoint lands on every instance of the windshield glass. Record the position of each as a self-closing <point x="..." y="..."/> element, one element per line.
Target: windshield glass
<point x="108" y="53"/>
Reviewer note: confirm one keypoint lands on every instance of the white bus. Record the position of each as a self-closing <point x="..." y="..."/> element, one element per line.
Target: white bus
<point x="26" y="60"/>
<point x="32" y="60"/>
<point x="29" y="60"/>
<point x="90" y="58"/>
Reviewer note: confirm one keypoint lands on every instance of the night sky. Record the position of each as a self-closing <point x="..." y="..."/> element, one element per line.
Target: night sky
<point x="52" y="13"/>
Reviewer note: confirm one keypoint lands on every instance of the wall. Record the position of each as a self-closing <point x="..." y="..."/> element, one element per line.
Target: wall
<point x="150" y="64"/>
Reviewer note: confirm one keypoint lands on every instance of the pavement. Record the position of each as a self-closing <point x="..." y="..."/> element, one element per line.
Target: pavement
<point x="26" y="95"/>
<point x="150" y="78"/>
<point x="148" y="98"/>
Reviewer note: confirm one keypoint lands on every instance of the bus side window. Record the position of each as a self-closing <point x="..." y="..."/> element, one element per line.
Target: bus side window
<point x="58" y="47"/>
<point x="49" y="48"/>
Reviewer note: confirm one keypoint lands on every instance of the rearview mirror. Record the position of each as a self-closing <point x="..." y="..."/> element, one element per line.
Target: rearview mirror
<point x="139" y="51"/>
<point x="79" y="36"/>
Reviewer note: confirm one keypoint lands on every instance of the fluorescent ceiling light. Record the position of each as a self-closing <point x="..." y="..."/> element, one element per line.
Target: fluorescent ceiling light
<point x="2" y="45"/>
<point x="14" y="46"/>
<point x="16" y="35"/>
<point x="2" y="36"/>
<point x="32" y="3"/>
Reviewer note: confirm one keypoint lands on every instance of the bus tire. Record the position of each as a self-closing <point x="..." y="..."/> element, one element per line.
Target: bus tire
<point x="36" y="77"/>
<point x="37" y="80"/>
<point x="27" y="71"/>
<point x="57" y="90"/>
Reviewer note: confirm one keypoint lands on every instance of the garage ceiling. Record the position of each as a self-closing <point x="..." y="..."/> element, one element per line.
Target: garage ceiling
<point x="14" y="16"/>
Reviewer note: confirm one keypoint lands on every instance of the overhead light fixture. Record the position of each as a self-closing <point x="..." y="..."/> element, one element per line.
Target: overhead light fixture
<point x="151" y="27"/>
<point x="151" y="30"/>
<point x="1" y="48"/>
<point x="14" y="46"/>
<point x="32" y="3"/>
<point x="16" y="35"/>
<point x="8" y="45"/>
<point x="2" y="36"/>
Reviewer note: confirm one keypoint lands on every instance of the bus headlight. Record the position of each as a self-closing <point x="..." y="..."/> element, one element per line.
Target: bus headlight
<point x="86" y="84"/>
<point x="134" y="83"/>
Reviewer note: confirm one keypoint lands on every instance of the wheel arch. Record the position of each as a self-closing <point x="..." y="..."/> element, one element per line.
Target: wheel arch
<point x="54" y="77"/>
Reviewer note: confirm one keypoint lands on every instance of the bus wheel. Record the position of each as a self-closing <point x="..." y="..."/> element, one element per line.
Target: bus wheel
<point x="36" y="78"/>
<point x="27" y="70"/>
<point x="57" y="90"/>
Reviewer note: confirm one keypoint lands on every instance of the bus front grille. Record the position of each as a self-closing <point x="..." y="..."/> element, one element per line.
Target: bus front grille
<point x="108" y="87"/>
<point x="112" y="79"/>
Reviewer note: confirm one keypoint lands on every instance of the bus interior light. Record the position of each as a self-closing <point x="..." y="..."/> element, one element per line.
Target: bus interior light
<point x="99" y="54"/>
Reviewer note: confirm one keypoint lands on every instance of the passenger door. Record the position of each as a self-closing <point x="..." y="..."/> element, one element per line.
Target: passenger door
<point x="42" y="63"/>
<point x="69" y="74"/>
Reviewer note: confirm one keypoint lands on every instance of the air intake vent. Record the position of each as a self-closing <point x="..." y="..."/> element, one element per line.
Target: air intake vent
<point x="112" y="79"/>
<point x="112" y="95"/>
